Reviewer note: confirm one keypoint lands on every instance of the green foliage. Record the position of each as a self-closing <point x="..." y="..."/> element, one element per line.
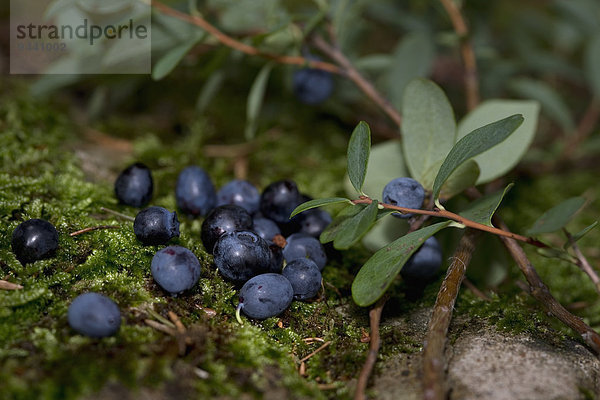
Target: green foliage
<point x="317" y="203"/>
<point x="557" y="217"/>
<point x="482" y="210"/>
<point x="255" y="99"/>
<point x="359" y="148"/>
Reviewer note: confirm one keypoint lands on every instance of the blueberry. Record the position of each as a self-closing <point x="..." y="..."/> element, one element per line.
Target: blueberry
<point x="95" y="315"/>
<point x="404" y="192"/>
<point x="276" y="260"/>
<point x="314" y="221"/>
<point x="134" y="185"/>
<point x="195" y="192"/>
<point x="240" y="255"/>
<point x="266" y="228"/>
<point x="312" y="86"/>
<point x="265" y="296"/>
<point x="227" y="218"/>
<point x="279" y="199"/>
<point x="300" y="245"/>
<point x="305" y="277"/>
<point x="425" y="263"/>
<point x="241" y="193"/>
<point x="33" y="240"/>
<point x="175" y="269"/>
<point x="155" y="225"/>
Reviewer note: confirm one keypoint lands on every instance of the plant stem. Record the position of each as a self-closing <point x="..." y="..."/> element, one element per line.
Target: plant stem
<point x="435" y="340"/>
<point x="455" y="217"/>
<point x="541" y="293"/>
<point x="582" y="261"/>
<point x="93" y="228"/>
<point x="374" y="343"/>
<point x="240" y="46"/>
<point x="466" y="49"/>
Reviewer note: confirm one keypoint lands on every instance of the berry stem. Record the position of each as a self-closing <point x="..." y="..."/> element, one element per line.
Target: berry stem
<point x="118" y="214"/>
<point x="436" y="212"/>
<point x="238" y="311"/>
<point x="93" y="228"/>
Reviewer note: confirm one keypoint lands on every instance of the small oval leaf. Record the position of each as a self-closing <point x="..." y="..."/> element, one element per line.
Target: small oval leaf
<point x="352" y="229"/>
<point x="359" y="148"/>
<point x="318" y="203"/>
<point x="255" y="99"/>
<point x="482" y="210"/>
<point x="475" y="143"/>
<point x="557" y="217"/>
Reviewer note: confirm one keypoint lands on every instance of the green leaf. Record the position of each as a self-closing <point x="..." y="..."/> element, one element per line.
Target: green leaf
<point x="412" y="58"/>
<point x="557" y="217"/>
<point x="352" y="229"/>
<point x="318" y="203"/>
<point x="358" y="155"/>
<point x="255" y="99"/>
<point x="329" y="234"/>
<point x="592" y="63"/>
<point x="580" y="234"/>
<point x="209" y="90"/>
<point x="385" y="163"/>
<point x="500" y="159"/>
<point x="384" y="232"/>
<point x="482" y="210"/>
<point x="428" y="129"/>
<point x="553" y="105"/>
<point x="381" y="269"/>
<point x="475" y="143"/>
<point x="462" y="178"/>
<point x="169" y="61"/>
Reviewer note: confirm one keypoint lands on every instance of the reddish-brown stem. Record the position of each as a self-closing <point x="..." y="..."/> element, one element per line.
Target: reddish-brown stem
<point x="435" y="340"/>
<point x="466" y="49"/>
<point x="541" y="293"/>
<point x="240" y="46"/>
<point x="374" y="343"/>
<point x="93" y="228"/>
<point x="455" y="217"/>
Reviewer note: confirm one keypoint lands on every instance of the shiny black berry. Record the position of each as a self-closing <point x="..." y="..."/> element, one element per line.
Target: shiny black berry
<point x="34" y="240"/>
<point x="134" y="185"/>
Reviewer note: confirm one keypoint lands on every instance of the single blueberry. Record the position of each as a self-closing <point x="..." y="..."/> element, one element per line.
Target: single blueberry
<point x="175" y="269"/>
<point x="301" y="245"/>
<point x="266" y="228"/>
<point x="279" y="199"/>
<point x="134" y="185"/>
<point x="195" y="192"/>
<point x="404" y="192"/>
<point x="227" y="218"/>
<point x="425" y="263"/>
<point x="314" y="221"/>
<point x="241" y="193"/>
<point x="265" y="296"/>
<point x="240" y="255"/>
<point x="276" y="261"/>
<point x="33" y="240"/>
<point x="95" y="315"/>
<point x="305" y="277"/>
<point x="312" y="86"/>
<point x="155" y="225"/>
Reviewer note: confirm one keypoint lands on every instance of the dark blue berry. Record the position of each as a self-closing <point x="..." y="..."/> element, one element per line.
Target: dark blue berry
<point x="425" y="263"/>
<point x="227" y="218"/>
<point x="241" y="193"/>
<point x="195" y="192"/>
<point x="134" y="185"/>
<point x="404" y="192"/>
<point x="265" y="296"/>
<point x="279" y="199"/>
<point x="300" y="245"/>
<point x="155" y="225"/>
<point x="312" y="86"/>
<point x="266" y="228"/>
<point x="95" y="315"/>
<point x="240" y="255"/>
<point x="314" y="221"/>
<point x="175" y="269"/>
<point x="276" y="262"/>
<point x="34" y="240"/>
<point x="305" y="277"/>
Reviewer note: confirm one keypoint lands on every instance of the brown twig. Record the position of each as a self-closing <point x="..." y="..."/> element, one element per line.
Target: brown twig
<point x="586" y="126"/>
<point x="374" y="343"/>
<point x="5" y="285"/>
<point x="541" y="293"/>
<point x="455" y="217"/>
<point x="93" y="228"/>
<point x="435" y="340"/>
<point x="363" y="84"/>
<point x="160" y="327"/>
<point x="466" y="49"/>
<point x="237" y="45"/>
<point x="324" y="345"/>
<point x="582" y="261"/>
<point x="118" y="214"/>
<point x="475" y="290"/>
